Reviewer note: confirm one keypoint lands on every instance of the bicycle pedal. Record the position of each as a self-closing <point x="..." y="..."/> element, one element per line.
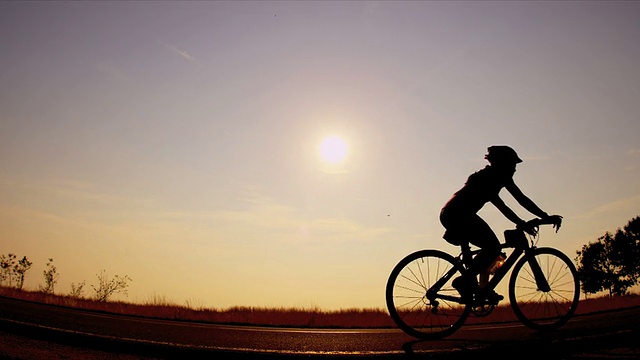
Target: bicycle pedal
<point x="491" y="298"/>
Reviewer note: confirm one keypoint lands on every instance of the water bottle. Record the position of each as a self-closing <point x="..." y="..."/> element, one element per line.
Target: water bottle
<point x="497" y="263"/>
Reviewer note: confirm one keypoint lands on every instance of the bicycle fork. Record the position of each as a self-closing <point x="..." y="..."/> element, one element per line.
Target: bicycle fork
<point x="538" y="275"/>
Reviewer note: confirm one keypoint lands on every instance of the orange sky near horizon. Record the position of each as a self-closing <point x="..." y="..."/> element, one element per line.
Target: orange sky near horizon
<point x="179" y="143"/>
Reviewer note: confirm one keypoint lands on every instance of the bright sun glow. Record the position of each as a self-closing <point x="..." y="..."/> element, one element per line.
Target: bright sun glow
<point x="333" y="149"/>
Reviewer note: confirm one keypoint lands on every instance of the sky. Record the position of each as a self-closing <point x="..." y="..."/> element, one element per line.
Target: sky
<point x="178" y="143"/>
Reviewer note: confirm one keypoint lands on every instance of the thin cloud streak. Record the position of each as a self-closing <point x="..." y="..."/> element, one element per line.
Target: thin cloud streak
<point x="284" y="224"/>
<point x="630" y="204"/>
<point x="185" y="55"/>
<point x="72" y="192"/>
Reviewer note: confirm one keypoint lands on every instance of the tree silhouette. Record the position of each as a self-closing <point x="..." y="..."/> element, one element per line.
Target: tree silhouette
<point x="13" y="271"/>
<point x="50" y="278"/>
<point x="611" y="263"/>
<point x="107" y="287"/>
<point x="20" y="269"/>
<point x="7" y="262"/>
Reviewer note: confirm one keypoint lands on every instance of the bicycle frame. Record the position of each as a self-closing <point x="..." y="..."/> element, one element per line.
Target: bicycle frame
<point x="466" y="256"/>
<point x="508" y="264"/>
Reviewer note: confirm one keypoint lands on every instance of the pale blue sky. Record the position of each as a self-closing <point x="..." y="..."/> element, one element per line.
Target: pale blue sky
<point x="177" y="142"/>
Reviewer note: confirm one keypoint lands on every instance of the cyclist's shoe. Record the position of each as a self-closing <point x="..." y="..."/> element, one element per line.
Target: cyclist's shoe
<point x="491" y="296"/>
<point x="466" y="287"/>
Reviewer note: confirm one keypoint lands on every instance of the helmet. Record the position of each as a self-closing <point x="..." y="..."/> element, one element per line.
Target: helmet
<point x="502" y="154"/>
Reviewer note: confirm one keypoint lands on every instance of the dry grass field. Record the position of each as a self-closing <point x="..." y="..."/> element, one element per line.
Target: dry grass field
<point x="158" y="307"/>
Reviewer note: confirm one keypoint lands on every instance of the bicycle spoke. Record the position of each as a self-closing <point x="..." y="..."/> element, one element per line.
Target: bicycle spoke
<point x="413" y="281"/>
<point x="410" y="289"/>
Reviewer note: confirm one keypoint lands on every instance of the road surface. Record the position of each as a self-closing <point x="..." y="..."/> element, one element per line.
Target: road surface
<point x="27" y="327"/>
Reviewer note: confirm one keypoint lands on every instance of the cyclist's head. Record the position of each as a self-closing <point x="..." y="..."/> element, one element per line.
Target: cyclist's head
<point x="502" y="155"/>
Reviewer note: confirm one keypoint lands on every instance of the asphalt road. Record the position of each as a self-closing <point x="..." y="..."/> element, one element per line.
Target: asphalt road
<point x="611" y="333"/>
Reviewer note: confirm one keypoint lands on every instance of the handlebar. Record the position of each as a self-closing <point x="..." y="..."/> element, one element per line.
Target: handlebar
<point x="532" y="226"/>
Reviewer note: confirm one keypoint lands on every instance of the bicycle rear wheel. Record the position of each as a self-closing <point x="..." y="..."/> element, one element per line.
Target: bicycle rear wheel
<point x="550" y="307"/>
<point x="417" y="311"/>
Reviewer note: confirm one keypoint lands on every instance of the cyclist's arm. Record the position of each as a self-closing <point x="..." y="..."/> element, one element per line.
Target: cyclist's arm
<point x="507" y="212"/>
<point x="523" y="200"/>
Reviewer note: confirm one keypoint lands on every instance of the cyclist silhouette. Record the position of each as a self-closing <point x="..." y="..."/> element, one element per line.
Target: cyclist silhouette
<point x="462" y="223"/>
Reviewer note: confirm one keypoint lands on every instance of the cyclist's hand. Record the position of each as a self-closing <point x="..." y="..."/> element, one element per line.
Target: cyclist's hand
<point x="556" y="221"/>
<point x="529" y="228"/>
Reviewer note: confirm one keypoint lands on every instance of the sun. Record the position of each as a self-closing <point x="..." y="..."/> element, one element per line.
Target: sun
<point x="333" y="149"/>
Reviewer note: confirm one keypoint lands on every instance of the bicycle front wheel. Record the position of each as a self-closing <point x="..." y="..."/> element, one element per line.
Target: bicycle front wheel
<point x="420" y="298"/>
<point x="547" y="301"/>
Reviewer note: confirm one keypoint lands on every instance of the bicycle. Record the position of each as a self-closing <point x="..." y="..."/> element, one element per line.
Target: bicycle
<point x="544" y="289"/>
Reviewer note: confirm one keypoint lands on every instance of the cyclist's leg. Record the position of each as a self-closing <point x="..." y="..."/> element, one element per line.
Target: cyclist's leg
<point x="473" y="229"/>
<point x="489" y="244"/>
<point x="484" y="238"/>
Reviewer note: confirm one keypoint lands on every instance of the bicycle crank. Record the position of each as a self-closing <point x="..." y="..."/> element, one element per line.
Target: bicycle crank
<point x="482" y="309"/>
